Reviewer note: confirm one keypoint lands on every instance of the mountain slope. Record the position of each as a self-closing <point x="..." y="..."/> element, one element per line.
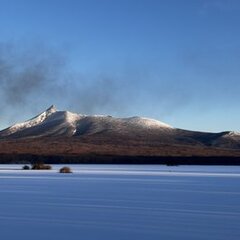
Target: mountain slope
<point x="64" y="133"/>
<point x="63" y="123"/>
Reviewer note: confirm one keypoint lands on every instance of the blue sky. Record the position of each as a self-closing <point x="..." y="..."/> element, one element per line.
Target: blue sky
<point x="174" y="60"/>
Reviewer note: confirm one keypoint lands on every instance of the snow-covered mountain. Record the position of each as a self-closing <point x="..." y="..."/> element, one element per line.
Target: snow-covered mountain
<point x="53" y="123"/>
<point x="56" y="123"/>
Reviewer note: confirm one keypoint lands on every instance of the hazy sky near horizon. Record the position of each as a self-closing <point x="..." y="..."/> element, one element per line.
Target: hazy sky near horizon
<point x="174" y="60"/>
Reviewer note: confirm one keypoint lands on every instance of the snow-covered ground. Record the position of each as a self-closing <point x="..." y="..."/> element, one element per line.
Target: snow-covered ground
<point x="143" y="202"/>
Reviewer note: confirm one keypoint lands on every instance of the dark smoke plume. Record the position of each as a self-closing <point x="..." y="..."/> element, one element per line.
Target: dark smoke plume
<point x="33" y="78"/>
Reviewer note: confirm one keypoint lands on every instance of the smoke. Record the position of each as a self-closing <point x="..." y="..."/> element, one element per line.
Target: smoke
<point x="97" y="95"/>
<point x="26" y="75"/>
<point x="33" y="78"/>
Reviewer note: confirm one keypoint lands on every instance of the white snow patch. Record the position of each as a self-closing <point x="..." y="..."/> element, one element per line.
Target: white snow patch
<point x="147" y="122"/>
<point x="32" y="122"/>
<point x="234" y="133"/>
<point x="72" y="118"/>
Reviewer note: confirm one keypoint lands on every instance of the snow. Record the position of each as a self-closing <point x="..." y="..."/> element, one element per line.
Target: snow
<point x="234" y="134"/>
<point x="147" y="122"/>
<point x="120" y="202"/>
<point x="72" y="117"/>
<point x="32" y="122"/>
<point x="72" y="120"/>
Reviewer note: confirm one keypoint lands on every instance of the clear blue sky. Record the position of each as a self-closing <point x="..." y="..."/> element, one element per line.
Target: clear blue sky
<point x="174" y="60"/>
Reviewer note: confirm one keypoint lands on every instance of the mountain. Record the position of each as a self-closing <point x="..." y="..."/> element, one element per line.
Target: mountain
<point x="62" y="133"/>
<point x="63" y="123"/>
<point x="53" y="123"/>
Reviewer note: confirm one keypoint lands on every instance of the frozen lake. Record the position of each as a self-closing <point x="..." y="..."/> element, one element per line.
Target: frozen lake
<point x="116" y="202"/>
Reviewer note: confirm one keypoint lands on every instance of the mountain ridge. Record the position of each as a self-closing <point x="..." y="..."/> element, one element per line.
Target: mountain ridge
<point x="77" y="121"/>
<point x="66" y="134"/>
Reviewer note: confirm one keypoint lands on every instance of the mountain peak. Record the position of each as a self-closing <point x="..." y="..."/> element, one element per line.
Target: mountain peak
<point x="51" y="109"/>
<point x="30" y="123"/>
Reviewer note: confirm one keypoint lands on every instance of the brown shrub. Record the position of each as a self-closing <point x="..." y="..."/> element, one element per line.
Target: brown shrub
<point x="65" y="170"/>
<point x="41" y="166"/>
